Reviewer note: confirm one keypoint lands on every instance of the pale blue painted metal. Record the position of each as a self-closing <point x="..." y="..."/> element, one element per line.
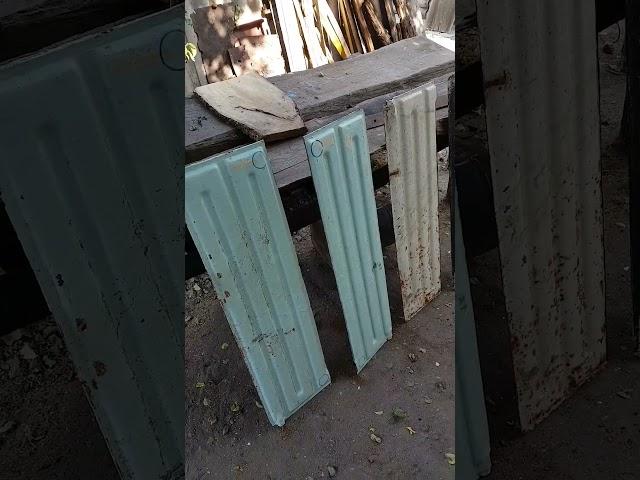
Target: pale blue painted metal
<point x="472" y="431"/>
<point x="238" y="224"/>
<point x="77" y="184"/>
<point x="341" y="171"/>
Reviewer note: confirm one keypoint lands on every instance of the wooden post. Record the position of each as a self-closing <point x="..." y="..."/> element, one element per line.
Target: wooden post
<point x="379" y="31"/>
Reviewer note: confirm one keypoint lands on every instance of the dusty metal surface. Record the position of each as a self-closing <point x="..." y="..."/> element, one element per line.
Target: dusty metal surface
<point x="410" y="125"/>
<point x="541" y="90"/>
<point x="472" y="431"/>
<point x="237" y="222"/>
<point x="341" y="171"/>
<point x="89" y="211"/>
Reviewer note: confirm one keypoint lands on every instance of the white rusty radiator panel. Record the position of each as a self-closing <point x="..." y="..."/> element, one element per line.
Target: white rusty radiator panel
<point x="541" y="90"/>
<point x="341" y="171"/>
<point x="90" y="209"/>
<point x="237" y="222"/>
<point x="410" y="127"/>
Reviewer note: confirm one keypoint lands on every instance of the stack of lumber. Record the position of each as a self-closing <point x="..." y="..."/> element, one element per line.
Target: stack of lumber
<point x="271" y="37"/>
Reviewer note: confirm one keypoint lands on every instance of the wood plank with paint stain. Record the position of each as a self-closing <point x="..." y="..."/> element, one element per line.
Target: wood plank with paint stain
<point x="255" y="106"/>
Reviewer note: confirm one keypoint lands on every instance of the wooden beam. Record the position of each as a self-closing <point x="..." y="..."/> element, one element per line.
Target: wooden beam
<point x="371" y="16"/>
<point x="352" y="27"/>
<point x="362" y="25"/>
<point x="389" y="9"/>
<point x="328" y="90"/>
<point x="330" y="25"/>
<point x="307" y="25"/>
<point x="290" y="34"/>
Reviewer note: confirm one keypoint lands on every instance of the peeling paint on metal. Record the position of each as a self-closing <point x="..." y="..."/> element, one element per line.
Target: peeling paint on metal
<point x="89" y="211"/>
<point x="341" y="171"/>
<point x="238" y="224"/>
<point x="543" y="130"/>
<point x="410" y="126"/>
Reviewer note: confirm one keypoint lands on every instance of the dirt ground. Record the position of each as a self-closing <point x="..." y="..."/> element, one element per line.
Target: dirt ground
<point x="331" y="434"/>
<point x="47" y="428"/>
<point x="596" y="433"/>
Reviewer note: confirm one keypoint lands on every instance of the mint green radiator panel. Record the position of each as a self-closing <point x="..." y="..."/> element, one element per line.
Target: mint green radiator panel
<point x="90" y="208"/>
<point x="341" y="171"/>
<point x="238" y="224"/>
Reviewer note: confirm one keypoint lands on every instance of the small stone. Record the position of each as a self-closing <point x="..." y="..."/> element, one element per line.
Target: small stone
<point x="49" y="362"/>
<point x="196" y="287"/>
<point x="200" y="385"/>
<point x="380" y="412"/>
<point x="399" y="413"/>
<point x="224" y="346"/>
<point x="422" y="350"/>
<point x="437" y="364"/>
<point x="412" y="357"/>
<point x="332" y="471"/>
<point x="371" y="459"/>
<point x="27" y="352"/>
<point x="259" y="405"/>
<point x="225" y="361"/>
<point x="451" y="458"/>
<point x="375" y="438"/>
<point x="235" y="407"/>
<point x="411" y="430"/>
<point x="626" y="394"/>
<point x="206" y="402"/>
<point x="428" y="401"/>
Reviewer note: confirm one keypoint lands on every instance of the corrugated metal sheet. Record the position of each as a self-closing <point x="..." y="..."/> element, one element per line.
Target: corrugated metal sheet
<point x="410" y="127"/>
<point x="541" y="88"/>
<point x="89" y="211"/>
<point x="341" y="171"/>
<point x="472" y="431"/>
<point x="238" y="224"/>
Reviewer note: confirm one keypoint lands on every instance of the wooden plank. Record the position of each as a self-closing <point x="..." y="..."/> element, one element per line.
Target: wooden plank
<point x="371" y="16"/>
<point x="389" y="9"/>
<point x="255" y="106"/>
<point x="334" y="88"/>
<point x="406" y="21"/>
<point x="260" y="54"/>
<point x="362" y="25"/>
<point x="294" y="48"/>
<point x="338" y="89"/>
<point x="316" y="58"/>
<point x="330" y="25"/>
<point x="351" y="26"/>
